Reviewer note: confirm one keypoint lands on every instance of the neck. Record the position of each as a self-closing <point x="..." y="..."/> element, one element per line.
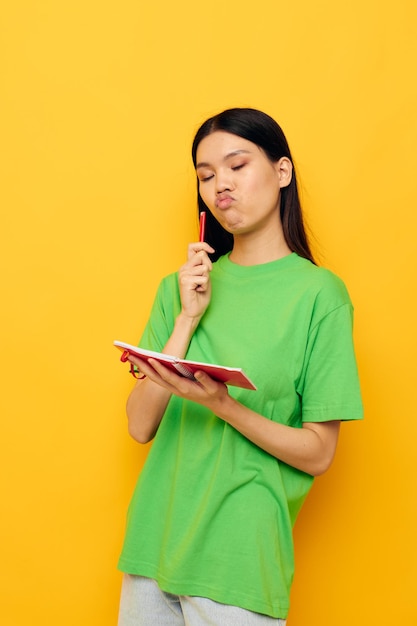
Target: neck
<point x="251" y="249"/>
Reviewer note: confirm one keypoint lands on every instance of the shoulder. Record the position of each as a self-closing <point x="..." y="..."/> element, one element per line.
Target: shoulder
<point x="321" y="292"/>
<point x="320" y="282"/>
<point x="330" y="285"/>
<point x="168" y="295"/>
<point x="169" y="283"/>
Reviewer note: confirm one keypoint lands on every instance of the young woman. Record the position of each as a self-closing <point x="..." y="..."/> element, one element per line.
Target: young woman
<point x="209" y="533"/>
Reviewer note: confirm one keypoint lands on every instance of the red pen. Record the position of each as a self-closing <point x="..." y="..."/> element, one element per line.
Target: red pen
<point x="202" y="225"/>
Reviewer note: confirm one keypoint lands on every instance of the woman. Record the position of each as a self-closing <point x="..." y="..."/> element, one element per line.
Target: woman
<point x="209" y="534"/>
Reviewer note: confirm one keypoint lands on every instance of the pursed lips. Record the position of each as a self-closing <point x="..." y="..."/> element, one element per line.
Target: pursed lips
<point x="224" y="200"/>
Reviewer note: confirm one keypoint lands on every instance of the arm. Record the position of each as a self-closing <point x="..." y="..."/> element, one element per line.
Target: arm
<point x="309" y="449"/>
<point x="148" y="400"/>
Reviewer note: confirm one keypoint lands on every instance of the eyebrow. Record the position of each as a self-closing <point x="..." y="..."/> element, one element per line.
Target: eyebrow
<point x="228" y="156"/>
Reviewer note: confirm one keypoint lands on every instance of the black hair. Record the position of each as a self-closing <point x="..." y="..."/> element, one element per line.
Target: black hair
<point x="262" y="130"/>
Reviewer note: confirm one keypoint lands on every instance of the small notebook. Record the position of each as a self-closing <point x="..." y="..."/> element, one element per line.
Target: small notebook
<point x="234" y="376"/>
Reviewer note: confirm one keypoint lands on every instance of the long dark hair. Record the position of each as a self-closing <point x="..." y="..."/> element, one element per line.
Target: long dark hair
<point x="262" y="130"/>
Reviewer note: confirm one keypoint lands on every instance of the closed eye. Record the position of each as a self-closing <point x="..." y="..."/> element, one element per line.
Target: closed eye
<point x="238" y="167"/>
<point x="204" y="179"/>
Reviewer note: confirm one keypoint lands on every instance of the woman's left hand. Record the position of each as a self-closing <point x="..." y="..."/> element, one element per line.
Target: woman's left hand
<point x="204" y="390"/>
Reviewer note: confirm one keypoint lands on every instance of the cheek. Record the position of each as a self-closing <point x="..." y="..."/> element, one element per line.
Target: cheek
<point x="204" y="193"/>
<point x="269" y="187"/>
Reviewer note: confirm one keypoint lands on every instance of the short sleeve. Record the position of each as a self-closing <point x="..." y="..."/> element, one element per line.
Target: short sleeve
<point x="165" y="309"/>
<point x="330" y="384"/>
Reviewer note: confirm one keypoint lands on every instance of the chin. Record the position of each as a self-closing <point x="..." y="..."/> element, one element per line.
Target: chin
<point x="233" y="227"/>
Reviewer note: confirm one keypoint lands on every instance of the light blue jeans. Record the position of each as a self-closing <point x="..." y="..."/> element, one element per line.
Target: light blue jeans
<point x="142" y="603"/>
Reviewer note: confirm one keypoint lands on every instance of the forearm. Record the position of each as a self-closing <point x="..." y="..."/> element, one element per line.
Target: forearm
<point x="147" y="402"/>
<point x="310" y="448"/>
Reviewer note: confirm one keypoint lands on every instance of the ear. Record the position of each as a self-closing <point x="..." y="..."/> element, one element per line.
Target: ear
<point x="284" y="169"/>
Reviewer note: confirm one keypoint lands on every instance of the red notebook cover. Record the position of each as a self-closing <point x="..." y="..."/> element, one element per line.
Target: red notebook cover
<point x="234" y="376"/>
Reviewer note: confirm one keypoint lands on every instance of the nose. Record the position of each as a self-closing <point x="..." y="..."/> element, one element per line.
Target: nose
<point x="223" y="182"/>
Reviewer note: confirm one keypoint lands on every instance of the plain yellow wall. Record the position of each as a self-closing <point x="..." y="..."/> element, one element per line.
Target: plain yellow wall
<point x="99" y="102"/>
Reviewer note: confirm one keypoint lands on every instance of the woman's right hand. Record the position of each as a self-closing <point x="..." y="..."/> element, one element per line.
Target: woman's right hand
<point x="149" y="398"/>
<point x="194" y="281"/>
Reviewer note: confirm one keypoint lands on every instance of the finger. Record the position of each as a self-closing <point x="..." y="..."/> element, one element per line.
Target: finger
<point x="150" y="372"/>
<point x="191" y="278"/>
<point x="141" y="367"/>
<point x="198" y="264"/>
<point x="197" y="260"/>
<point x="199" y="246"/>
<point x="196" y="269"/>
<point x="166" y="373"/>
<point x="209" y="385"/>
<point x="140" y="363"/>
<point x="192" y="282"/>
<point x="171" y="380"/>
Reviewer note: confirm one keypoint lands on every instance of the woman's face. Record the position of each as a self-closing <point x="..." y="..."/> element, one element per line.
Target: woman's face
<point x="239" y="184"/>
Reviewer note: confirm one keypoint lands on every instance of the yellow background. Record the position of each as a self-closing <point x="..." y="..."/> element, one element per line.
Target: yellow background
<point x="99" y="102"/>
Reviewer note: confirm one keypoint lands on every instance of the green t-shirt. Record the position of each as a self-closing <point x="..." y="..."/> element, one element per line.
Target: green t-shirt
<point x="212" y="514"/>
